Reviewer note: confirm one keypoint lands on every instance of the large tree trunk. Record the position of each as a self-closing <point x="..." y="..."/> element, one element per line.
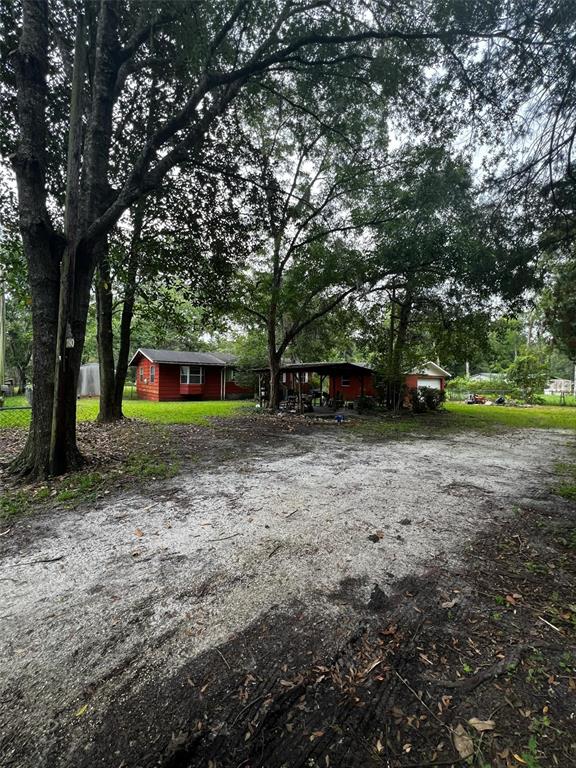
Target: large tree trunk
<point x="104" y="314"/>
<point x="42" y="247"/>
<point x="274" y="383"/>
<point x="44" y="277"/>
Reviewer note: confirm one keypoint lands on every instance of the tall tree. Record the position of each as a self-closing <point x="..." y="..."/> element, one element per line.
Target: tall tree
<point x="305" y="184"/>
<point x="442" y="258"/>
<point x="75" y="64"/>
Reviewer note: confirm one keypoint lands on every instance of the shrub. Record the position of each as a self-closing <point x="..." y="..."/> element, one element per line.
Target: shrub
<point x="366" y="403"/>
<point x="433" y="398"/>
<point x="425" y="399"/>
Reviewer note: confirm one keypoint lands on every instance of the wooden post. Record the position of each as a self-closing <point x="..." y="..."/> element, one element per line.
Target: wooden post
<point x="300" y="391"/>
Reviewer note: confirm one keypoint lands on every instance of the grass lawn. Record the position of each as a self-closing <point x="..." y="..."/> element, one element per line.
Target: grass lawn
<point x="536" y="417"/>
<point x="186" y="412"/>
<point x="462" y="416"/>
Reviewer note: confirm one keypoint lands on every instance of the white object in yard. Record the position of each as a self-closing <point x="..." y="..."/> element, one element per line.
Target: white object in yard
<point x="89" y="380"/>
<point x="559" y="386"/>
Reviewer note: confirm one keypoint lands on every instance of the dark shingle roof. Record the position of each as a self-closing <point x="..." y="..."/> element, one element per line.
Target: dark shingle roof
<point x="318" y="367"/>
<point x="184" y="358"/>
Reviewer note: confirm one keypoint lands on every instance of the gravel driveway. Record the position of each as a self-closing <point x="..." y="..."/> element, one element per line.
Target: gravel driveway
<point x="107" y="598"/>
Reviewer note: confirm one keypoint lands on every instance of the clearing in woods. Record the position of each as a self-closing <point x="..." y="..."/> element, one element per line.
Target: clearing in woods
<point x="316" y="598"/>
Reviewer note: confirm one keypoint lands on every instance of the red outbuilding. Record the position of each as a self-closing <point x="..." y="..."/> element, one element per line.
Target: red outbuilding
<point x="429" y="375"/>
<point x="163" y="374"/>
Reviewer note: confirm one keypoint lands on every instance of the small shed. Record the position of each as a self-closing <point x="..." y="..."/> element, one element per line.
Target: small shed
<point x="428" y="375"/>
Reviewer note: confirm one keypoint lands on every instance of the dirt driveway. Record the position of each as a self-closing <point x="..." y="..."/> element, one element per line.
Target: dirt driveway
<point x="113" y="616"/>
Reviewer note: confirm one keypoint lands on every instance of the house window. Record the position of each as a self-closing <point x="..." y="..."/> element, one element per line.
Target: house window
<point x="345" y="381"/>
<point x="152" y="374"/>
<point x="284" y="378"/>
<point x="191" y="374"/>
<point x="141" y="373"/>
<point x="230" y="374"/>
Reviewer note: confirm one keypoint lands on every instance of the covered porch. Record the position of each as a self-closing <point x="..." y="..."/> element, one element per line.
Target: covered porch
<point x="319" y="386"/>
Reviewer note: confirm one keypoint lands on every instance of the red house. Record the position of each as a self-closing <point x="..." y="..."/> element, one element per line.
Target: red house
<point x="163" y="374"/>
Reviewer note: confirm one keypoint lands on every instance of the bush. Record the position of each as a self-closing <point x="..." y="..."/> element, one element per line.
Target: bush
<point x="425" y="399"/>
<point x="366" y="403"/>
<point x="433" y="398"/>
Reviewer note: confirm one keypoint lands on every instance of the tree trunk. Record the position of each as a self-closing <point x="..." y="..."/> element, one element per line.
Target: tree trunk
<point x="399" y="347"/>
<point x="112" y="382"/>
<point x="127" y="312"/>
<point x="42" y="247"/>
<point x="274" y="402"/>
<point x="105" y="339"/>
<point x="274" y="358"/>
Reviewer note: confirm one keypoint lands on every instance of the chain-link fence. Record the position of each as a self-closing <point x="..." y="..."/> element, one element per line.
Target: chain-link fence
<point x="460" y="394"/>
<point x="12" y="416"/>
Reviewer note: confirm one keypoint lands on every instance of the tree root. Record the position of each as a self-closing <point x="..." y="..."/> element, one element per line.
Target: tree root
<point x="502" y="667"/>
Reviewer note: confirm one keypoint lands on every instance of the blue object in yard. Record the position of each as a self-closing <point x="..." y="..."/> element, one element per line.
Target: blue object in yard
<point x="339" y="418"/>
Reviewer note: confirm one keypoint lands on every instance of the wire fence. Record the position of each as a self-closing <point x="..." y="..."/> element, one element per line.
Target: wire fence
<point x="15" y="416"/>
<point x="460" y="394"/>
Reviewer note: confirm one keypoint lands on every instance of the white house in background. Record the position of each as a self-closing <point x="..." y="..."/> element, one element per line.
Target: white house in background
<point x="559" y="386"/>
<point x="486" y="376"/>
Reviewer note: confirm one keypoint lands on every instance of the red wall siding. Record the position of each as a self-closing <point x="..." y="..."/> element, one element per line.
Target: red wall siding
<point x="212" y="384"/>
<point x="354" y="389"/>
<point x="235" y="389"/>
<point x="169" y="382"/>
<point x="145" y="389"/>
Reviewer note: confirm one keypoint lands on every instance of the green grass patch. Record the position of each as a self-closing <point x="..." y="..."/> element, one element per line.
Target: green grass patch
<point x="567" y="473"/>
<point x="183" y="412"/>
<point x="456" y="417"/>
<point x="80" y="487"/>
<point x="148" y="467"/>
<point x="534" y="417"/>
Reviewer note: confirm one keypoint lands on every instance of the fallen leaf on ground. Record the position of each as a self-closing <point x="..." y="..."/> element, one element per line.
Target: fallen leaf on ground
<point x="81" y="711"/>
<point x="138" y="532"/>
<point x="450" y="603"/>
<point x="462" y="741"/>
<point x="482" y="725"/>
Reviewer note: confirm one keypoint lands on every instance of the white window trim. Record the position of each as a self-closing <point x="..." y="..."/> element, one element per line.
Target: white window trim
<point x="345" y="381"/>
<point x="185" y="373"/>
<point x="152" y="374"/>
<point x="141" y="373"/>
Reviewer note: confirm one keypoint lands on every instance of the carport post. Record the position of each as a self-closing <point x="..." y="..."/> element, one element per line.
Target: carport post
<point x="300" y="391"/>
